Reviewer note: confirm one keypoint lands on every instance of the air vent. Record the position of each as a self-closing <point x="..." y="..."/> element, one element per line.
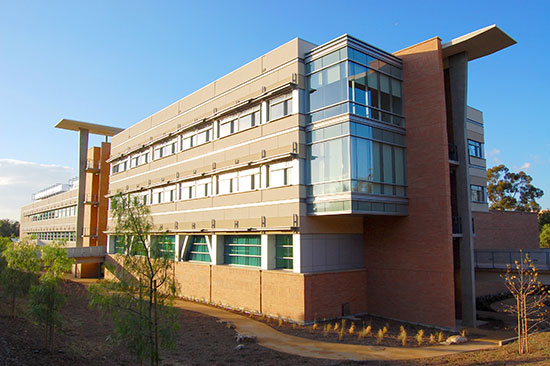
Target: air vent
<point x="236" y="161"/>
<point x="195" y="171"/>
<point x="176" y="225"/>
<point x="264" y="153"/>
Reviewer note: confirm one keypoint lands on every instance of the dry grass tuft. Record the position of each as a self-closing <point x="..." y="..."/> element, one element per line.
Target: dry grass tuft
<point x="419" y="337"/>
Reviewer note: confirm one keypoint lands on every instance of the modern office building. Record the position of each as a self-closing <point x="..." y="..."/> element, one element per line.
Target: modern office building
<point x="319" y="181"/>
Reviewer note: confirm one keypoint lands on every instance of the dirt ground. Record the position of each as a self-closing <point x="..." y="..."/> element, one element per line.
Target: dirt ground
<point x="85" y="340"/>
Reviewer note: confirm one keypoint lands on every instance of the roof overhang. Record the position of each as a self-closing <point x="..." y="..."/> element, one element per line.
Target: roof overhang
<point x="478" y="44"/>
<point x="69" y="124"/>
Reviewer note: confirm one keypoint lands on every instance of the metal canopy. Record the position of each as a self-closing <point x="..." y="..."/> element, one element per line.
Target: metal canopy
<point x="69" y="124"/>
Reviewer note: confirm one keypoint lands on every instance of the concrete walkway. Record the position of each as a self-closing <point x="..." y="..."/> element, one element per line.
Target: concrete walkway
<point x="275" y="340"/>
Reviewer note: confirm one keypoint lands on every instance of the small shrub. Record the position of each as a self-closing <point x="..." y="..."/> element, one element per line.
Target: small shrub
<point x="440" y="337"/>
<point x="432" y="338"/>
<point x="280" y="322"/>
<point x="385" y="329"/>
<point x="464" y="332"/>
<point x="336" y="327"/>
<point x="351" y="330"/>
<point x="364" y="332"/>
<point x="420" y="337"/>
<point x="326" y="329"/>
<point x="380" y="336"/>
<point x="402" y="336"/>
<point x="315" y="326"/>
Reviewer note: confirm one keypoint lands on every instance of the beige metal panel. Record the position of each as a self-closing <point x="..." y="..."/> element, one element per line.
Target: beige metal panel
<point x="282" y="54"/>
<point x="165" y="114"/>
<point x="205" y="93"/>
<point x="242" y="74"/>
<point x="475" y="135"/>
<point x="280" y="124"/>
<point x="286" y="72"/>
<point x="476" y="172"/>
<point x="470" y="127"/>
<point x="478" y="161"/>
<point x="477" y="180"/>
<point x="238" y="198"/>
<point x="280" y="193"/>
<point x="483" y="207"/>
<point x="474" y="114"/>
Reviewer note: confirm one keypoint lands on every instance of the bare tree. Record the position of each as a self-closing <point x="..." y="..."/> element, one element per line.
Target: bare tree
<point x="530" y="296"/>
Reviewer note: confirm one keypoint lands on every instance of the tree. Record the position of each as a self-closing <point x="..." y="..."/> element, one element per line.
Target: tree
<point x="46" y="299"/>
<point x="511" y="191"/>
<point x="545" y="236"/>
<point x="544" y="218"/>
<point x="20" y="271"/>
<point x="530" y="295"/>
<point x="9" y="228"/>
<point x="139" y="300"/>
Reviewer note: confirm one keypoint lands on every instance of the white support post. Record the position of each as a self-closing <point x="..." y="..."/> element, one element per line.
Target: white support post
<point x="295" y="101"/>
<point x="184" y="242"/>
<point x="216" y="253"/>
<point x="296" y="257"/>
<point x="264" y="112"/>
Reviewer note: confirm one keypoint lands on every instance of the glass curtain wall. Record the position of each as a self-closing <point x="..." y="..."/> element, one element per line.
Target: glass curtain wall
<point x="356" y="156"/>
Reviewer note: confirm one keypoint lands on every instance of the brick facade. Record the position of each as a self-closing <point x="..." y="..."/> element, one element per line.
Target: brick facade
<point x="506" y="230"/>
<point x="409" y="260"/>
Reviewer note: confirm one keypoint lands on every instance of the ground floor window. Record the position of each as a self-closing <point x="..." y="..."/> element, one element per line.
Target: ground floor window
<point x="244" y="250"/>
<point x="198" y="249"/>
<point x="284" y="251"/>
<point x="163" y="246"/>
<point x="119" y="244"/>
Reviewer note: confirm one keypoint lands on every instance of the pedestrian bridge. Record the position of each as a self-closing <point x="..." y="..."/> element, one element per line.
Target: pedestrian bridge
<point x="87" y="254"/>
<point x="491" y="263"/>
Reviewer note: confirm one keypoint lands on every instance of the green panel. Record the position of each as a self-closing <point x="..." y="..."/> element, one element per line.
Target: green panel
<point x="284" y="251"/>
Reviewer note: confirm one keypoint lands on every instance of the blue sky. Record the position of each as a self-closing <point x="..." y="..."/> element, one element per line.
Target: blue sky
<point x="117" y="62"/>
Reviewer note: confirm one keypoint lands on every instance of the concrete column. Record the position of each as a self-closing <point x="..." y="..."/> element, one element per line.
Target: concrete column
<point x="82" y="160"/>
<point x="458" y="80"/>
<point x="110" y="244"/>
<point x="296" y="257"/>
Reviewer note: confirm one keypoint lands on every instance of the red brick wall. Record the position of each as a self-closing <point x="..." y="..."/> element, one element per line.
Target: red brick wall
<point x="326" y="292"/>
<point x="409" y="260"/>
<point x="506" y="230"/>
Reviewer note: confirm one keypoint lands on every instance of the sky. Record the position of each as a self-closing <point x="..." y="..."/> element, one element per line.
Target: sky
<point x="117" y="62"/>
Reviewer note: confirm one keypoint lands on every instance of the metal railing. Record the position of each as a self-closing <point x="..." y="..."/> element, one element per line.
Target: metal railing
<point x="89" y="231"/>
<point x="453" y="152"/>
<point x="93" y="164"/>
<point x="457" y="224"/>
<point x="501" y="258"/>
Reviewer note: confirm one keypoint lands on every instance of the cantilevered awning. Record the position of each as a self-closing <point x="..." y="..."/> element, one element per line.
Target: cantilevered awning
<point x="478" y="44"/>
<point x="69" y="124"/>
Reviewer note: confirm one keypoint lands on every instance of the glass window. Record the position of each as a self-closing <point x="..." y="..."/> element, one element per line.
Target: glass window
<point x="475" y="149"/>
<point x="163" y="246"/>
<point x="198" y="249"/>
<point x="284" y="251"/>
<point x="280" y="107"/>
<point x="328" y="87"/>
<point x="227" y="183"/>
<point x="478" y="193"/>
<point x="244" y="250"/>
<point x="279" y="174"/>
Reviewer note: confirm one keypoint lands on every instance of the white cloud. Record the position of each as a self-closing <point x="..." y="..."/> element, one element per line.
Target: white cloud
<point x="20" y="179"/>
<point x="526" y="165"/>
<point x="494" y="153"/>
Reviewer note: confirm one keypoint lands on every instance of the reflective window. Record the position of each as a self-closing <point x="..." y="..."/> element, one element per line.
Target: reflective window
<point x="478" y="193"/>
<point x="279" y="174"/>
<point x="244" y="250"/>
<point x="284" y="251"/>
<point x="475" y="149"/>
<point x="198" y="249"/>
<point x="280" y="107"/>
